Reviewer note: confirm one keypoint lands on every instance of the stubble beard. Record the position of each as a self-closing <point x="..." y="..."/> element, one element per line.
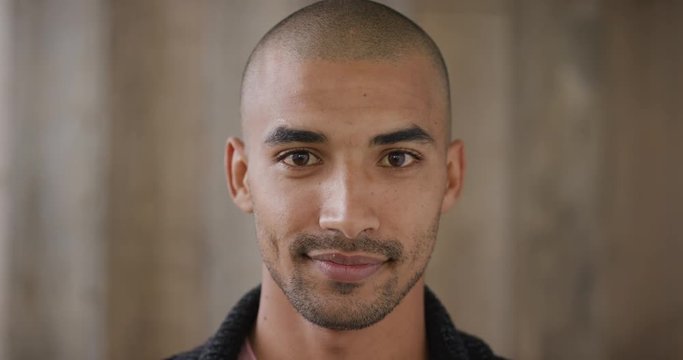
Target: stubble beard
<point x="336" y="305"/>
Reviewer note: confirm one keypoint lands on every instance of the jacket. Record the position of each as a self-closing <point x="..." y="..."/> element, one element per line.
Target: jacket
<point x="444" y="341"/>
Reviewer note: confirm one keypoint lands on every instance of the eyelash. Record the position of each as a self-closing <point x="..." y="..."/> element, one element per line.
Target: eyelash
<point x="280" y="157"/>
<point x="415" y="155"/>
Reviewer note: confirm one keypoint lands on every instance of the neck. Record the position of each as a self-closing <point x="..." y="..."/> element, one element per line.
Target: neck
<point x="282" y="333"/>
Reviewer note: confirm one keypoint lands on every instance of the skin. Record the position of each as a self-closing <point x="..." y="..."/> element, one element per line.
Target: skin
<point x="347" y="186"/>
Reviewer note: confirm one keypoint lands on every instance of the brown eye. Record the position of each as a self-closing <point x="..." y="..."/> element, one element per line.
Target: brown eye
<point x="398" y="159"/>
<point x="299" y="158"/>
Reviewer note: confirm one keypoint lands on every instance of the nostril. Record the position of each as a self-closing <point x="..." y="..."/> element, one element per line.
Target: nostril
<point x="350" y="224"/>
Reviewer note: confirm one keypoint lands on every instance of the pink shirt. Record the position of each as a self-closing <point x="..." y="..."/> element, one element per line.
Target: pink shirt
<point x="246" y="352"/>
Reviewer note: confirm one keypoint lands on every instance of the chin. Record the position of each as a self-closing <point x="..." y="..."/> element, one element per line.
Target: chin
<point x="343" y="306"/>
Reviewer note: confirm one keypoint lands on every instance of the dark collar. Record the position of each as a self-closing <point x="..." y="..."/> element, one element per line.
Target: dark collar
<point x="444" y="341"/>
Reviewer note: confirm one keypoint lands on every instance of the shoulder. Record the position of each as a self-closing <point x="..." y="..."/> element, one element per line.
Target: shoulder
<point x="227" y="341"/>
<point x="477" y="349"/>
<point x="188" y="355"/>
<point x="447" y="342"/>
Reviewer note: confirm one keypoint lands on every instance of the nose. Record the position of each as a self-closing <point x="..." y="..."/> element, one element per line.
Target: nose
<point x="348" y="205"/>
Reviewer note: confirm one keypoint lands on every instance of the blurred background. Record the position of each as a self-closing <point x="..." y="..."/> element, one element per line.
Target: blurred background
<point x="118" y="239"/>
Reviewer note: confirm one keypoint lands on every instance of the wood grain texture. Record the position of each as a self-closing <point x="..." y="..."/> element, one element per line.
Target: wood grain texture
<point x="118" y="239"/>
<point x="57" y="196"/>
<point x="641" y="274"/>
<point x="155" y="239"/>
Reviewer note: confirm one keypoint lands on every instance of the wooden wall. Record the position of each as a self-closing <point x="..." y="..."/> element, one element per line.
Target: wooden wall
<point x="55" y="190"/>
<point x="597" y="180"/>
<point x="118" y="239"/>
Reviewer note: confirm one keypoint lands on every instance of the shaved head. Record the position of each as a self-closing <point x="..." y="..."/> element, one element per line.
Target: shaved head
<point x="347" y="30"/>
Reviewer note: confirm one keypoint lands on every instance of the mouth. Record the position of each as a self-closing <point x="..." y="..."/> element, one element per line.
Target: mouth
<point x="347" y="268"/>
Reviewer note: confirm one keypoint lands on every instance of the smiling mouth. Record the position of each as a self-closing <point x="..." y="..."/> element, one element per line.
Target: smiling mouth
<point x="346" y="268"/>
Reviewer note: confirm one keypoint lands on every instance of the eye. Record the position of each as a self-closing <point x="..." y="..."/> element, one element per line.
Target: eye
<point x="299" y="158"/>
<point x="399" y="159"/>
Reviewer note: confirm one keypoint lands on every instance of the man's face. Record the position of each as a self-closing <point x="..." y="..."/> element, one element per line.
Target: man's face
<point x="346" y="171"/>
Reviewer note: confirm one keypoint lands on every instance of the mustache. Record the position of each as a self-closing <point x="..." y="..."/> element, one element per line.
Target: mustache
<point x="305" y="243"/>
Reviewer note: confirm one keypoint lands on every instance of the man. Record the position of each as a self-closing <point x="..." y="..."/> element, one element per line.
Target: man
<point x="346" y="165"/>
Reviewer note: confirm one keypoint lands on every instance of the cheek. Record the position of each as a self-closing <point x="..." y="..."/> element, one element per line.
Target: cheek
<point x="410" y="212"/>
<point x="282" y="207"/>
<point x="414" y="199"/>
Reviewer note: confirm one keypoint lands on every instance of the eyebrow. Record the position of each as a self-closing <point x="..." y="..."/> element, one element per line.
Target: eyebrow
<point x="414" y="133"/>
<point x="284" y="135"/>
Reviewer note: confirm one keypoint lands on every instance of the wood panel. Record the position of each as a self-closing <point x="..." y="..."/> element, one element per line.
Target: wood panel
<point x="641" y="308"/>
<point x="155" y="242"/>
<point x="555" y="166"/>
<point x="57" y="196"/>
<point x="6" y="145"/>
<point x="597" y="182"/>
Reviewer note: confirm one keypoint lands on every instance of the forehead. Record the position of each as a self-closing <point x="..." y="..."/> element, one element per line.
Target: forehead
<point x="328" y="95"/>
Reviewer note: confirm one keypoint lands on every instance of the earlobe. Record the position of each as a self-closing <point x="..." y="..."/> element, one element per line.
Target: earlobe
<point x="455" y="171"/>
<point x="236" y="171"/>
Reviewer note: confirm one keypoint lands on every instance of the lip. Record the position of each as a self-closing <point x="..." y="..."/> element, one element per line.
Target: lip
<point x="346" y="268"/>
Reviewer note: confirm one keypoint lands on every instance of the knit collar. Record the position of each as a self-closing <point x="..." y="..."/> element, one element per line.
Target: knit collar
<point x="444" y="341"/>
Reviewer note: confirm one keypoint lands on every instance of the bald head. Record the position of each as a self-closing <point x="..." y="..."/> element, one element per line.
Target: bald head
<point x="348" y="30"/>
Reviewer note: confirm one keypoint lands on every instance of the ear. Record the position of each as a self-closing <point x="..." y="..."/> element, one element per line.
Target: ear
<point x="455" y="160"/>
<point x="236" y="168"/>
